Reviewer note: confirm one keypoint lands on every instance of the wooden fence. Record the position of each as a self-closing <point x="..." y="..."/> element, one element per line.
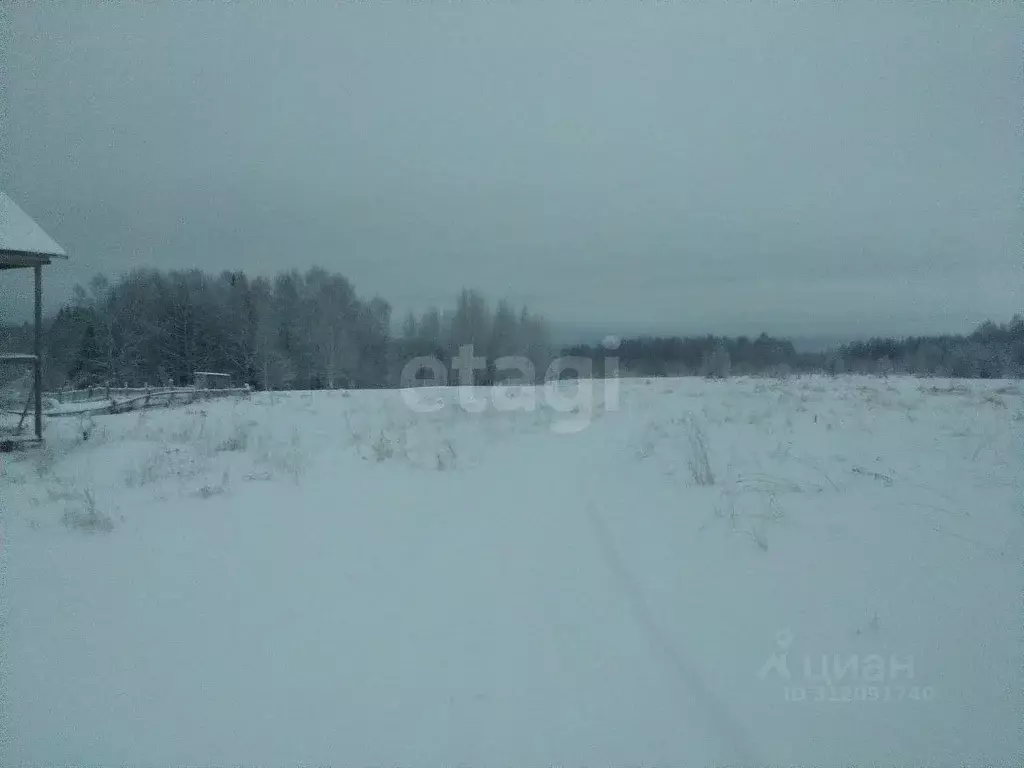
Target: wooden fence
<point x="103" y="393"/>
<point x="121" y="400"/>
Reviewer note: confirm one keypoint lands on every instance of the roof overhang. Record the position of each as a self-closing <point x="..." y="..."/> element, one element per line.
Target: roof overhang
<point x="23" y="243"/>
<point x="19" y="259"/>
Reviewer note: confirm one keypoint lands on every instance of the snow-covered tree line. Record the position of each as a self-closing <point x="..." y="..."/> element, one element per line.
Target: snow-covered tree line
<point x="710" y="356"/>
<point x="296" y="330"/>
<point x="993" y="350"/>
<point x="311" y="330"/>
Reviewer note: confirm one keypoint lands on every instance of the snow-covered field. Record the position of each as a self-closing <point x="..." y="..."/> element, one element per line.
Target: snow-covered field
<point x="818" y="571"/>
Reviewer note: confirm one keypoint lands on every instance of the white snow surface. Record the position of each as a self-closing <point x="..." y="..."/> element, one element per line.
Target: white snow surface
<point x="18" y="232"/>
<point x="330" y="578"/>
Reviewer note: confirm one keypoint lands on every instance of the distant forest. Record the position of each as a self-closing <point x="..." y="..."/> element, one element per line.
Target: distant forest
<point x="312" y="331"/>
<point x="992" y="351"/>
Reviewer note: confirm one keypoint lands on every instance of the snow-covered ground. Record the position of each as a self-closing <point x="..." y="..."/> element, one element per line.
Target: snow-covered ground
<point x="336" y="578"/>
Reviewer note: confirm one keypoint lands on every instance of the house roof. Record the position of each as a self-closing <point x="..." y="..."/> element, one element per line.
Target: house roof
<point x="21" y="238"/>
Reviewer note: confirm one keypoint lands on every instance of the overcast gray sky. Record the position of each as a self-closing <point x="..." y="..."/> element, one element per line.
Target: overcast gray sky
<point x="707" y="167"/>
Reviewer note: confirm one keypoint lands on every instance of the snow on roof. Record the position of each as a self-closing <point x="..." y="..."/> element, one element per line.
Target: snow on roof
<point x="18" y="232"/>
